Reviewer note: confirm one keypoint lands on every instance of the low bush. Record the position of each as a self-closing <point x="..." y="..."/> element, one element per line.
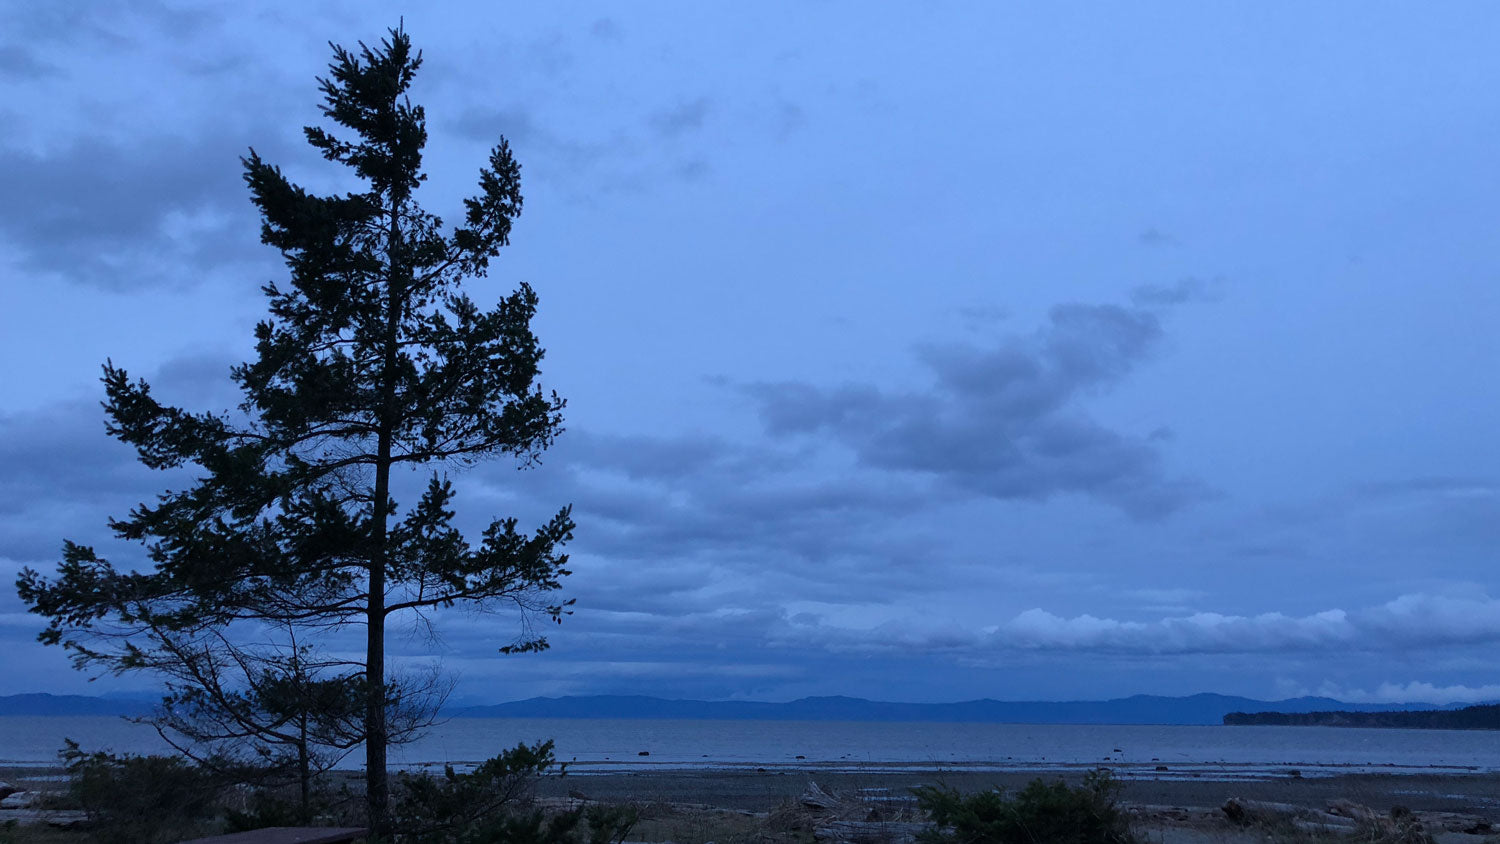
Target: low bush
<point x="1040" y="813"/>
<point x="494" y="803"/>
<point x="141" y="799"/>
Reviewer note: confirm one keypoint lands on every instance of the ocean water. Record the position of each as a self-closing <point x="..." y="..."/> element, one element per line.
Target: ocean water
<point x="598" y="746"/>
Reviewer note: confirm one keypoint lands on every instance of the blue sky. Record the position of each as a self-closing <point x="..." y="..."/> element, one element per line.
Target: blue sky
<point x="917" y="351"/>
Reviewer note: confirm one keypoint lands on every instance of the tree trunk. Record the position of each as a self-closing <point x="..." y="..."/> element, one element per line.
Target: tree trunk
<point x="304" y="770"/>
<point x="377" y="781"/>
<point x="377" y="785"/>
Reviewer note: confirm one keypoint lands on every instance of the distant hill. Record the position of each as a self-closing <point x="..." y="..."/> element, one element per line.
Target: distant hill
<point x="1482" y="717"/>
<point x="1200" y="709"/>
<point x="45" y="704"/>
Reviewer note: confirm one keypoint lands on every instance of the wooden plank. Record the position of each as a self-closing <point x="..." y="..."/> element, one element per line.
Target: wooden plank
<point x="288" y="835"/>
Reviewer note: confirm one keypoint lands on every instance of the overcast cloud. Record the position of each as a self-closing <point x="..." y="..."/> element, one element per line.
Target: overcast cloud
<point x="913" y="352"/>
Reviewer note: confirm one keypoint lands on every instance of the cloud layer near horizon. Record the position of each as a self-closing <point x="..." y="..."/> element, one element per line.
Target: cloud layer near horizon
<point x="1406" y="623"/>
<point x="1106" y="381"/>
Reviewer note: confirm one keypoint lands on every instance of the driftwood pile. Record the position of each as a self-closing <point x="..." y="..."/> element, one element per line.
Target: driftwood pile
<point x="29" y="807"/>
<point x="1345" y="817"/>
<point x="866" y="816"/>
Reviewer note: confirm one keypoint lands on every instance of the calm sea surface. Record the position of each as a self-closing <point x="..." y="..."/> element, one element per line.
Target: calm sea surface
<point x="608" y="745"/>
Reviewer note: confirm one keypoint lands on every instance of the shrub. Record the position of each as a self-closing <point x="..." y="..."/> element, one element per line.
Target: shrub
<point x="493" y="803"/>
<point x="140" y="799"/>
<point x="1040" y="813"/>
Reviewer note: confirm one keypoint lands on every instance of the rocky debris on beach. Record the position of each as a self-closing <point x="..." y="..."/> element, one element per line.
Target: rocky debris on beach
<point x="870" y="815"/>
<point x="26" y="804"/>
<point x="26" y="808"/>
<point x="867" y="816"/>
<point x="1345" y="817"/>
<point x="21" y="800"/>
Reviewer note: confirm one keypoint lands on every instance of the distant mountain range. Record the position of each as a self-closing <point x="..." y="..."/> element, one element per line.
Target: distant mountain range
<point x="1141" y="709"/>
<point x="45" y="704"/>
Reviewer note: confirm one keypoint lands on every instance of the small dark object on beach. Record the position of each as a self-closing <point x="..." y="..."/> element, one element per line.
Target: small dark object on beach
<point x="1294" y="774"/>
<point x="800" y="756"/>
<point x="1161" y="767"/>
<point x="644" y="753"/>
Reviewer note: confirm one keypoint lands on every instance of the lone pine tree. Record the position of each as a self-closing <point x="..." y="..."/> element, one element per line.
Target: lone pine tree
<point x="371" y="361"/>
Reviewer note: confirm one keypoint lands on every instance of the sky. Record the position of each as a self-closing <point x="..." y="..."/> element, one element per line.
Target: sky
<point x="913" y="351"/>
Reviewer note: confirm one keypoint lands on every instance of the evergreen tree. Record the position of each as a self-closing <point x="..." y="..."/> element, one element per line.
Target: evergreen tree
<point x="371" y="362"/>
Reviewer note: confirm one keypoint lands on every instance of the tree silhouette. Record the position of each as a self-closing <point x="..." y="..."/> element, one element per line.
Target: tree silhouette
<point x="371" y="362"/>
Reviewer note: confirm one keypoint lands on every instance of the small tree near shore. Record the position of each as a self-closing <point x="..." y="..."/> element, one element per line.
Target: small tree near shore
<point x="371" y="361"/>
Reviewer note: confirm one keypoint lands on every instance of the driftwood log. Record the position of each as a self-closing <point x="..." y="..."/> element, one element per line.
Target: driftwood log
<point x="869" y="832"/>
<point x="1346" y="816"/>
<point x="815" y="798"/>
<point x="871" y="816"/>
<point x="1245" y="812"/>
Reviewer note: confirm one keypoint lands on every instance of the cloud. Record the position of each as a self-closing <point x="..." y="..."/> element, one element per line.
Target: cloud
<point x="529" y="134"/>
<point x="161" y="211"/>
<point x="1203" y="632"/>
<point x="606" y="29"/>
<point x="62" y="453"/>
<point x="680" y="119"/>
<point x="1154" y="597"/>
<point x="64" y="476"/>
<point x="1004" y="421"/>
<point x="1183" y="291"/>
<point x="787" y="118"/>
<point x="1445" y="510"/>
<point x="21" y="63"/>
<point x="1154" y="236"/>
<point x="1413" y="692"/>
<point x="722" y="510"/>
<point x="1433" y="486"/>
<point x="982" y="317"/>
<point x="611" y="161"/>
<point x="1407" y="623"/>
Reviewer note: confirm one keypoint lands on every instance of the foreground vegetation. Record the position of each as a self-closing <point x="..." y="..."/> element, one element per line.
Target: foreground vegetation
<point x="1042" y="811"/>
<point x="164" y="799"/>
